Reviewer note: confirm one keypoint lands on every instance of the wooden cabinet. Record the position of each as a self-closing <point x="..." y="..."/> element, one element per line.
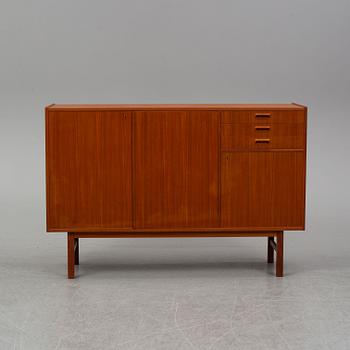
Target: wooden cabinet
<point x="175" y="171"/>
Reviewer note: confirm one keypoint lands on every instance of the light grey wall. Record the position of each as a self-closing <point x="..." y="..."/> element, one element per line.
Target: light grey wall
<point x="176" y="51"/>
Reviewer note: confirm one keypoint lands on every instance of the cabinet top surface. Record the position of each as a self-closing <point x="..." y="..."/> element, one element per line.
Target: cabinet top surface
<point x="292" y="106"/>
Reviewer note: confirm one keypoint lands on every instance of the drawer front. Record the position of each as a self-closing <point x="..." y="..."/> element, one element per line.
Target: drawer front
<point x="263" y="130"/>
<point x="262" y="117"/>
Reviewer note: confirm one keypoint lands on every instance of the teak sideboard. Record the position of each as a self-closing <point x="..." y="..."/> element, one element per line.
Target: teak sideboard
<point x="215" y="170"/>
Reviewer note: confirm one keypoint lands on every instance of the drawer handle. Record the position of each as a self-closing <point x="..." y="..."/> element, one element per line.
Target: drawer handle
<point x="262" y="115"/>
<point x="262" y="140"/>
<point x="263" y="127"/>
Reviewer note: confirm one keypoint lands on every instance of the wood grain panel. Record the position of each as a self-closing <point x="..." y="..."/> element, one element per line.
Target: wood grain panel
<point x="176" y="169"/>
<point x="239" y="116"/>
<point x="244" y="135"/>
<point x="263" y="116"/>
<point x="283" y="129"/>
<point x="263" y="189"/>
<point x="88" y="169"/>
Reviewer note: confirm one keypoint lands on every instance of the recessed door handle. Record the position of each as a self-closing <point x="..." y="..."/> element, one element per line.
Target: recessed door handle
<point x="262" y="127"/>
<point x="262" y="140"/>
<point x="262" y="115"/>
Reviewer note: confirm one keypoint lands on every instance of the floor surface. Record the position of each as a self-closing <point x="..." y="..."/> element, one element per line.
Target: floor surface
<point x="181" y="294"/>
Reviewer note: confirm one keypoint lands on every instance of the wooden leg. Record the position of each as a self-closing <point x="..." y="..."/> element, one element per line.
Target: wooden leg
<point x="279" y="254"/>
<point x="76" y="251"/>
<point x="270" y="250"/>
<point x="70" y="254"/>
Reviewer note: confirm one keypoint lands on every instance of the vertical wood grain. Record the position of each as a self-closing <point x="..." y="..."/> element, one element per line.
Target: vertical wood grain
<point x="89" y="169"/>
<point x="285" y="130"/>
<point x="176" y="169"/>
<point x="262" y="189"/>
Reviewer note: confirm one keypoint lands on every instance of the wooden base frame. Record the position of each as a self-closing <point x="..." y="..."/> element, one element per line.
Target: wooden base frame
<point x="272" y="244"/>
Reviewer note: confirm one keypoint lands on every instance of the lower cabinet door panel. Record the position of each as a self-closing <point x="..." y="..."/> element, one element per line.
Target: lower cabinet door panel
<point x="263" y="189"/>
<point x="176" y="169"/>
<point x="88" y="159"/>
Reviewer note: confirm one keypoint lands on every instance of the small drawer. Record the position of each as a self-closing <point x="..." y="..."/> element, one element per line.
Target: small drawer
<point x="263" y="117"/>
<point x="278" y="117"/>
<point x="252" y="136"/>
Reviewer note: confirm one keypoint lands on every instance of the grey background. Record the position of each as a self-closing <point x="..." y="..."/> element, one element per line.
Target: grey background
<point x="160" y="51"/>
<point x="182" y="51"/>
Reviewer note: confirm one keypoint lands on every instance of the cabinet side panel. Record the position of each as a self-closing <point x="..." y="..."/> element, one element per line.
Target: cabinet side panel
<point x="88" y="170"/>
<point x="176" y="169"/>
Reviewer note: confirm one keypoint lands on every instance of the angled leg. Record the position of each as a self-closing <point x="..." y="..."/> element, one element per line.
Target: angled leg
<point x="279" y="254"/>
<point x="70" y="254"/>
<point x="270" y="250"/>
<point x="76" y="251"/>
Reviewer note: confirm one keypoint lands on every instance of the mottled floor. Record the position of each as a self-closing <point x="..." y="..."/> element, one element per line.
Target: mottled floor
<point x="171" y="294"/>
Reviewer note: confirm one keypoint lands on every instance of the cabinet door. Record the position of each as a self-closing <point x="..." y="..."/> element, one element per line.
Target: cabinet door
<point x="263" y="189"/>
<point x="176" y="169"/>
<point x="88" y="170"/>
